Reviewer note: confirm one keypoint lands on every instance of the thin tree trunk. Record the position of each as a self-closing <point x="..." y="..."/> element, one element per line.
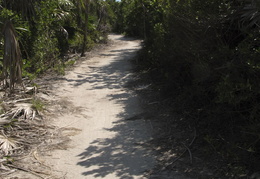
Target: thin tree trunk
<point x="12" y="56"/>
<point x="100" y="18"/>
<point x="144" y="18"/>
<point x="85" y="29"/>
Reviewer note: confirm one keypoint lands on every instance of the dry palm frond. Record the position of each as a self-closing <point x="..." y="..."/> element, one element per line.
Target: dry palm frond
<point x="20" y="111"/>
<point x="5" y="170"/>
<point x="6" y="144"/>
<point x="2" y="167"/>
<point x="24" y="111"/>
<point x="3" y="120"/>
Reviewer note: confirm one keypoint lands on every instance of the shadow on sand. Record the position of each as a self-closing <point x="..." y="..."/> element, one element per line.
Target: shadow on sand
<point x="125" y="154"/>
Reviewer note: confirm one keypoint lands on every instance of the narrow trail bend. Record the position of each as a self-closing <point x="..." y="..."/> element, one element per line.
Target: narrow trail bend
<point x="108" y="146"/>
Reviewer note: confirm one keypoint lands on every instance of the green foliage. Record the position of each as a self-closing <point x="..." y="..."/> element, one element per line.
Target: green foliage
<point x="59" y="69"/>
<point x="26" y="68"/>
<point x="37" y="104"/>
<point x="48" y="30"/>
<point x="46" y="52"/>
<point x="70" y="63"/>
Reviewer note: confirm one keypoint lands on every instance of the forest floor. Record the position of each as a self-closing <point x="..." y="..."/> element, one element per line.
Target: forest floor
<point x="112" y="124"/>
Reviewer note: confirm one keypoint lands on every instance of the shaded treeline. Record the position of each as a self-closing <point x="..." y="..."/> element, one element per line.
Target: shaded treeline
<point x="205" y="57"/>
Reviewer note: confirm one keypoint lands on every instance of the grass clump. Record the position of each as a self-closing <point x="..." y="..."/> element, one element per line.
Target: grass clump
<point x="37" y="104"/>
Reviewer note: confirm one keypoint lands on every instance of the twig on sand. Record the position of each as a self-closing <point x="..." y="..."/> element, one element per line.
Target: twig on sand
<point x="18" y="100"/>
<point x="35" y="155"/>
<point x="187" y="149"/>
<point x="25" y="170"/>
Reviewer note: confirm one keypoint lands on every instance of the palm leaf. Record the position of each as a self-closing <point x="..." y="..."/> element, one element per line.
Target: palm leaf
<point x="250" y="16"/>
<point x="6" y="144"/>
<point x="20" y="111"/>
<point x="22" y="29"/>
<point x="66" y="3"/>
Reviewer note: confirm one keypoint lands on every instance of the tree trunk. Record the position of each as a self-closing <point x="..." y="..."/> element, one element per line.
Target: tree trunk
<point x="144" y="16"/>
<point x="12" y="66"/>
<point x="85" y="29"/>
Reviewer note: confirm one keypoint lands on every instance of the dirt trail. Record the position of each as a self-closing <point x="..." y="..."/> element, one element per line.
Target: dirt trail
<point x="108" y="146"/>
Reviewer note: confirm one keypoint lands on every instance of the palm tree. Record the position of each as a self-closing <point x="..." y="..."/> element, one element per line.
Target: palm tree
<point x="12" y="56"/>
<point x="12" y="61"/>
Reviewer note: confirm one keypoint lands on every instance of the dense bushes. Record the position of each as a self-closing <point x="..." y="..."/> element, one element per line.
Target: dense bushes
<point x="47" y="30"/>
<point x="206" y="56"/>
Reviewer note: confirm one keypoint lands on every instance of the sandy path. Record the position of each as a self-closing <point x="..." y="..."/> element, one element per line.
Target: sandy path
<point x="108" y="145"/>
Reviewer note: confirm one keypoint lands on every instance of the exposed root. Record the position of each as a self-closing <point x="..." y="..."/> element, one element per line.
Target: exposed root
<point x="187" y="148"/>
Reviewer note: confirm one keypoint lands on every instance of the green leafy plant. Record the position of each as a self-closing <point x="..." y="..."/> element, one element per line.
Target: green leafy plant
<point x="37" y="104"/>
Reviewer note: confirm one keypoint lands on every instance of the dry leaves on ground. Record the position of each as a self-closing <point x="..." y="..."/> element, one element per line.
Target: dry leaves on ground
<point x="23" y="132"/>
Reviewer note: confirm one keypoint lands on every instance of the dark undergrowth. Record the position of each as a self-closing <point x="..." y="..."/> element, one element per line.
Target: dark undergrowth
<point x="193" y="135"/>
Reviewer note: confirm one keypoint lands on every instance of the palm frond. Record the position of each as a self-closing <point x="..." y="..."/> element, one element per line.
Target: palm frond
<point x="247" y="16"/>
<point x="66" y="3"/>
<point x="20" y="111"/>
<point x="250" y="16"/>
<point x="7" y="144"/>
